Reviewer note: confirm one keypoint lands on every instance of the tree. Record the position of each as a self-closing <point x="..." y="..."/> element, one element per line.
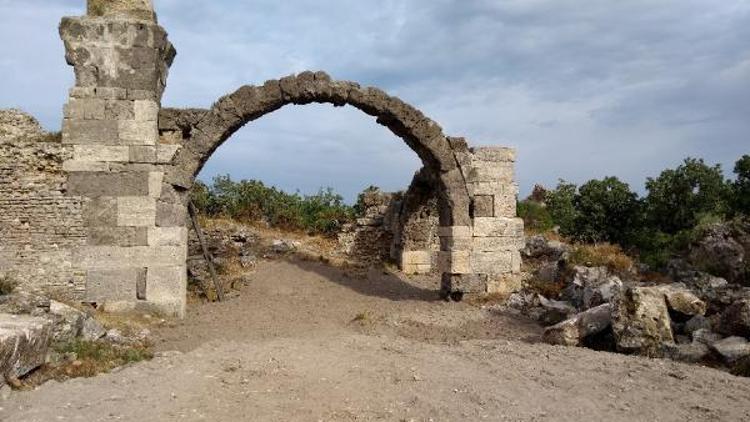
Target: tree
<point x="561" y="206"/>
<point x="741" y="187"/>
<point x="606" y="210"/>
<point x="678" y="198"/>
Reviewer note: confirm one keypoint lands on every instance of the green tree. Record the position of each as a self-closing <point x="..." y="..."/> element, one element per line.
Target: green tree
<point x="606" y="210"/>
<point x="741" y="187"/>
<point x="561" y="206"/>
<point x="535" y="216"/>
<point x="678" y="198"/>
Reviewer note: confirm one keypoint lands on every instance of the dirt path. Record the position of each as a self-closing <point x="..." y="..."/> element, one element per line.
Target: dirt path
<point x="305" y="342"/>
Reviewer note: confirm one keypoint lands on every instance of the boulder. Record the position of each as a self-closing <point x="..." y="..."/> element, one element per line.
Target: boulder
<point x="717" y="252"/>
<point x="736" y="319"/>
<point x="24" y="303"/>
<point x="698" y="322"/>
<point x="91" y="329"/>
<point x="640" y="321"/>
<point x="24" y="341"/>
<point x="690" y="353"/>
<point x="591" y="286"/>
<point x="284" y="246"/>
<point x="706" y="336"/>
<point x="573" y="331"/>
<point x="67" y="321"/>
<point x="555" y="311"/>
<point x="683" y="301"/>
<point x="539" y="247"/>
<point x="732" y="349"/>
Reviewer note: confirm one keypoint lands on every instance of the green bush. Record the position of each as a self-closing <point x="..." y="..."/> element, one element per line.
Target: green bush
<point x="741" y="187"/>
<point x="678" y="198"/>
<point x="535" y="216"/>
<point x="251" y="200"/>
<point x="606" y="210"/>
<point x="561" y="206"/>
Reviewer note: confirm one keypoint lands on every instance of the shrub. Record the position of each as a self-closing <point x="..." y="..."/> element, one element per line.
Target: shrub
<point x="561" y="206"/>
<point x="250" y="200"/>
<point x="606" y="210"/>
<point x="741" y="187"/>
<point x="602" y="255"/>
<point x="677" y="198"/>
<point x="535" y="216"/>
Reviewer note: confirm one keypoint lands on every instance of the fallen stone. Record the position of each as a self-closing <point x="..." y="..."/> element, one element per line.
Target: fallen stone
<point x="555" y="311"/>
<point x="732" y="349"/>
<point x="690" y="353"/>
<point x="573" y="331"/>
<point x="285" y="246"/>
<point x="591" y="286"/>
<point x="91" y="329"/>
<point x="706" y="336"/>
<point x="67" y="321"/>
<point x="640" y="321"/>
<point x="735" y="320"/>
<point x="24" y="341"/>
<point x="683" y="301"/>
<point x="24" y="303"/>
<point x="698" y="322"/>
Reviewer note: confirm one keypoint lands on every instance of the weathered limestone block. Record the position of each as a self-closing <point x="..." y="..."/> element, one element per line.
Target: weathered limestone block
<point x="137" y="211"/>
<point x="498" y="227"/>
<point x="131" y="9"/>
<point x="416" y="262"/>
<point x="458" y="262"/>
<point x="640" y="321"/>
<point x="497" y="262"/>
<point x="97" y="184"/>
<point x="100" y="153"/>
<point x="484" y="206"/>
<point x="167" y="236"/>
<point x="107" y="284"/>
<point x="103" y="257"/>
<point x="117" y="236"/>
<point x="135" y="132"/>
<point x="99" y="132"/>
<point x="494" y="154"/>
<point x="166" y="287"/>
<point x="24" y="341"/>
<point x="494" y="173"/>
<point x="497" y="244"/>
<point x="573" y="331"/>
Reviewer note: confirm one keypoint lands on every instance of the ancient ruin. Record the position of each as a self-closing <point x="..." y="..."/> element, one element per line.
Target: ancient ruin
<point x="101" y="216"/>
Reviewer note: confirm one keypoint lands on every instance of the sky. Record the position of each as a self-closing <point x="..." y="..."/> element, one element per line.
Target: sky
<point x="582" y="88"/>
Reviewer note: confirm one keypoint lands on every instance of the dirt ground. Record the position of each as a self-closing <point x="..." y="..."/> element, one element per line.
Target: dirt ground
<point x="306" y="342"/>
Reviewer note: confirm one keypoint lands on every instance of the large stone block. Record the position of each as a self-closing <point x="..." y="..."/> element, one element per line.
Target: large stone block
<point x="494" y="154"/>
<point x="119" y="110"/>
<point x="117" y="236"/>
<point x="155" y="181"/>
<point x="484" y="206"/>
<point x="491" y="172"/>
<point x="498" y="227"/>
<point x="95" y="184"/>
<point x="505" y="204"/>
<point x="112" y="284"/>
<point x="101" y="132"/>
<point x="458" y="262"/>
<point x="170" y="215"/>
<point x="114" y="257"/>
<point x="454" y="231"/>
<point x="87" y="166"/>
<point x="84" y="109"/>
<point x="146" y="111"/>
<point x="167" y="236"/>
<point x="100" y="153"/>
<point x="142" y="154"/>
<point x="24" y="341"/>
<point x="166" y="287"/>
<point x="136" y="211"/>
<point x="495" y="244"/>
<point x="498" y="262"/>
<point x="165" y="153"/>
<point x="134" y="132"/>
<point x="100" y="211"/>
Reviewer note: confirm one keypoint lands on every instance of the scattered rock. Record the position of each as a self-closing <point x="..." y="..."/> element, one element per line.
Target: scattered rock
<point x="640" y="321"/>
<point x="736" y="319"/>
<point x="719" y="253"/>
<point x="91" y="329"/>
<point x="555" y="311"/>
<point x="574" y="330"/>
<point x="706" y="336"/>
<point x="285" y="246"/>
<point x="538" y="246"/>
<point x="732" y="349"/>
<point x="698" y="322"/>
<point x="690" y="353"/>
<point x="24" y="341"/>
<point x="67" y="321"/>
<point x="683" y="301"/>
<point x="591" y="286"/>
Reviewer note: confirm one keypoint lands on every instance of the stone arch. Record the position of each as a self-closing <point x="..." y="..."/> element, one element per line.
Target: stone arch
<point x="201" y="132"/>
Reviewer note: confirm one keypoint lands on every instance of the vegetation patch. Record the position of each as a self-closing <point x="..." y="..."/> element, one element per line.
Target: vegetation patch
<point x="7" y="285"/>
<point x="602" y="255"/>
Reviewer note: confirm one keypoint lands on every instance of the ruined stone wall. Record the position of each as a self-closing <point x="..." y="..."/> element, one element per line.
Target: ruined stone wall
<point x="39" y="225"/>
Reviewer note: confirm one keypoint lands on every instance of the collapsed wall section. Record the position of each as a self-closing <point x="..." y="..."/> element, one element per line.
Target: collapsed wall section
<point x="40" y="225"/>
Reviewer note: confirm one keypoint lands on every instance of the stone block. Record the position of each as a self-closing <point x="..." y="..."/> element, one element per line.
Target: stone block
<point x="141" y="94"/>
<point x="468" y="283"/>
<point x="142" y="154"/>
<point x="487" y="188"/>
<point x="102" y="132"/>
<point x="170" y="215"/>
<point x="155" y="181"/>
<point x="411" y="269"/>
<point x="82" y="92"/>
<point x="505" y="204"/>
<point x="110" y="93"/>
<point x="499" y="262"/>
<point x="494" y="154"/>
<point x="498" y="227"/>
<point x="412" y="261"/>
<point x="74" y="166"/>
<point x="146" y="111"/>
<point x="454" y="231"/>
<point x="484" y="206"/>
<point x="84" y="109"/>
<point x="115" y="257"/>
<point x="112" y="284"/>
<point x="491" y="172"/>
<point x="119" y="110"/>
<point x="134" y="132"/>
<point x="504" y="285"/>
<point x="166" y="287"/>
<point x="24" y="342"/>
<point x="496" y="244"/>
<point x="101" y="211"/>
<point x="167" y="236"/>
<point x="95" y="184"/>
<point x="100" y="153"/>
<point x="117" y="236"/>
<point x="136" y="211"/>
<point x="165" y="153"/>
<point x="458" y="262"/>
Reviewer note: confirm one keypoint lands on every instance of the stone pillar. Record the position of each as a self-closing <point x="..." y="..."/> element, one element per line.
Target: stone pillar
<point x="485" y="258"/>
<point x="121" y="58"/>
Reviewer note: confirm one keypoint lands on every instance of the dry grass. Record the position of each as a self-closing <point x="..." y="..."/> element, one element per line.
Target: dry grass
<point x="545" y="288"/>
<point x="602" y="255"/>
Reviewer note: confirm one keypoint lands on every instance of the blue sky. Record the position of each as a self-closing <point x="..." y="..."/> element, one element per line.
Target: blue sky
<point x="583" y="88"/>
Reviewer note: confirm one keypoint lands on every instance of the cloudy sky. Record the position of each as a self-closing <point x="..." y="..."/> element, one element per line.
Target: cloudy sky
<point x="582" y="88"/>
